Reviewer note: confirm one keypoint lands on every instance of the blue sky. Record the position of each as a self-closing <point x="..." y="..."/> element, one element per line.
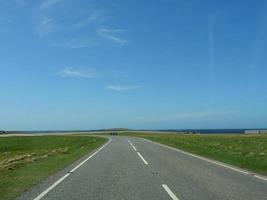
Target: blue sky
<point x="89" y="64"/>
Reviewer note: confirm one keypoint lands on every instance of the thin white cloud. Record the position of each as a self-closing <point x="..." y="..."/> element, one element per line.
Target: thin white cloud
<point x="49" y="3"/>
<point x="65" y="26"/>
<point x="94" y="16"/>
<point x="69" y="21"/>
<point x="76" y="43"/>
<point x="122" y="87"/>
<point x="78" y="73"/>
<point x="112" y="34"/>
<point x="46" y="26"/>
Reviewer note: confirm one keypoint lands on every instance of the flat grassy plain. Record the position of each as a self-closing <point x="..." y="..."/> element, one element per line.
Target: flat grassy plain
<point x="244" y="151"/>
<point x="25" y="161"/>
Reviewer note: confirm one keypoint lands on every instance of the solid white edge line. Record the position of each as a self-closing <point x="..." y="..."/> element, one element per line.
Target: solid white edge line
<point x="170" y="193"/>
<point x="142" y="158"/>
<point x="260" y="177"/>
<point x="211" y="161"/>
<point x="78" y="166"/>
<point x="40" y="196"/>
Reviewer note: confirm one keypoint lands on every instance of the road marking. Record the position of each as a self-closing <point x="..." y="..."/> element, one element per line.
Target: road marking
<point x="260" y="177"/>
<point x="40" y="196"/>
<point x="202" y="158"/>
<point x="78" y="166"/>
<point x="138" y="153"/>
<point x="170" y="193"/>
<point x="142" y="158"/>
<point x="130" y="142"/>
<point x="134" y="148"/>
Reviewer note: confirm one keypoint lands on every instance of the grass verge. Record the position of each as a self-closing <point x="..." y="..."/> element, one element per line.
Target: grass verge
<point x="244" y="151"/>
<point x="25" y="161"/>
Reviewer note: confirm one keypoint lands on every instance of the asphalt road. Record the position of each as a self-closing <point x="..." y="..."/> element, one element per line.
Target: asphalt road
<point x="136" y="169"/>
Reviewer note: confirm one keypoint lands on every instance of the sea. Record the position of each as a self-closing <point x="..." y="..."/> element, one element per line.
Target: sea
<point x="213" y="131"/>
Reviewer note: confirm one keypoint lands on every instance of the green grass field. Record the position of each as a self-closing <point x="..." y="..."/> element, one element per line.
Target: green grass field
<point x="25" y="161"/>
<point x="244" y="151"/>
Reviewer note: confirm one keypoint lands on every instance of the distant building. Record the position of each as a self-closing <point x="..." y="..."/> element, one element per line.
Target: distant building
<point x="263" y="131"/>
<point x="255" y="131"/>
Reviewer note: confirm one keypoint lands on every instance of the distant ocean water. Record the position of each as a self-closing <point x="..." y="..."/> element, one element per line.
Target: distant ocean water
<point x="214" y="131"/>
<point x="218" y="131"/>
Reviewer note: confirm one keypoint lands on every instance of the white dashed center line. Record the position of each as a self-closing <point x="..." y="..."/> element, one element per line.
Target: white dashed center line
<point x="166" y="188"/>
<point x="134" y="148"/>
<point x="170" y="193"/>
<point x="142" y="158"/>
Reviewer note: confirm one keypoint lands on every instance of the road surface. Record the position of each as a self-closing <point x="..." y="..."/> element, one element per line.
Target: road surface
<point x="137" y="169"/>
